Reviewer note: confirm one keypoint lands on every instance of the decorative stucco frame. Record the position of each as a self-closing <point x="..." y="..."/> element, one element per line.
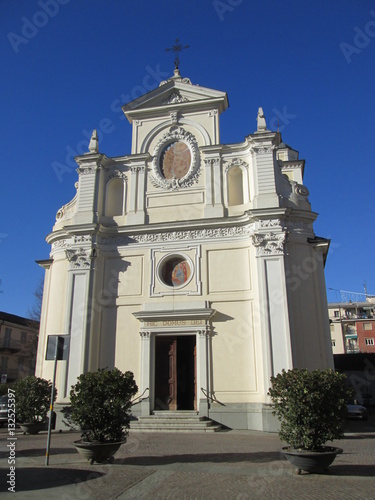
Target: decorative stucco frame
<point x="176" y="134"/>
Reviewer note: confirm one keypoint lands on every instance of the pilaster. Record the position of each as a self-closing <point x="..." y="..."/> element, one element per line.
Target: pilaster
<point x="89" y="165"/>
<point x="272" y="305"/>
<point x="136" y="213"/>
<point x="214" y="188"/>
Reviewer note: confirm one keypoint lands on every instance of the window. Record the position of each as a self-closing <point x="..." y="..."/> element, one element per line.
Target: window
<point x="369" y="341"/>
<point x="23" y="336"/>
<point x="8" y="333"/>
<point x="367" y="326"/>
<point x="336" y="314"/>
<point x="333" y="343"/>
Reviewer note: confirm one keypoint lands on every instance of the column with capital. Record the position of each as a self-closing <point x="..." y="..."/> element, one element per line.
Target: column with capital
<point x="145" y="379"/>
<point x="271" y="307"/>
<point x="136" y="213"/>
<point x="214" y="192"/>
<point x="203" y="371"/>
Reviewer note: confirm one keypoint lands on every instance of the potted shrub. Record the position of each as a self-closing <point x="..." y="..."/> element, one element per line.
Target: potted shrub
<point x="311" y="408"/>
<point x="100" y="406"/>
<point x="32" y="403"/>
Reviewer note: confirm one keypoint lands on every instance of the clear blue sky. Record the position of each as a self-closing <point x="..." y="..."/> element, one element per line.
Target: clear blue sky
<point x="66" y="68"/>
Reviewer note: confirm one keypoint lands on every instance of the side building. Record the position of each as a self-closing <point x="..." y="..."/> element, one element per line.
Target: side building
<point x="18" y="346"/>
<point x="190" y="262"/>
<point x="352" y="327"/>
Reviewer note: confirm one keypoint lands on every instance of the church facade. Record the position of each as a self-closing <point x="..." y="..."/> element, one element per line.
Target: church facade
<point x="192" y="263"/>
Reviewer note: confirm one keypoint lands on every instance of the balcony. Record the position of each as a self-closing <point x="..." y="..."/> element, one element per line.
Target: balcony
<point x="352" y="350"/>
<point x="10" y="346"/>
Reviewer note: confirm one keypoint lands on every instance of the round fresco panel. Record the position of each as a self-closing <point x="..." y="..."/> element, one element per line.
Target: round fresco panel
<point x="176" y="272"/>
<point x="175" y="160"/>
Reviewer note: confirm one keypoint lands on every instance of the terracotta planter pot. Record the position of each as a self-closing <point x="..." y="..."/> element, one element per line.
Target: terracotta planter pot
<point x="97" y="452"/>
<point x="311" y="461"/>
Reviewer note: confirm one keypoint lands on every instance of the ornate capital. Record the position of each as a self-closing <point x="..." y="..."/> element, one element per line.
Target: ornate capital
<point x="137" y="168"/>
<point x="203" y="332"/>
<point x="214" y="162"/>
<point x="79" y="258"/>
<point x="145" y="335"/>
<point x="269" y="243"/>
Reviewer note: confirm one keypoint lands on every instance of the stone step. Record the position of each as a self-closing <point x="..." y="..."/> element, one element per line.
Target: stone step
<point x="171" y="422"/>
<point x="176" y="414"/>
<point x="213" y="428"/>
<point x="167" y="421"/>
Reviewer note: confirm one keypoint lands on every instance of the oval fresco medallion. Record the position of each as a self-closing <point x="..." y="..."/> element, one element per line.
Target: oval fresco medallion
<point x="175" y="160"/>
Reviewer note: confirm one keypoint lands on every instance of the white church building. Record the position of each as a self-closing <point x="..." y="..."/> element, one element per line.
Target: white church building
<point x="192" y="263"/>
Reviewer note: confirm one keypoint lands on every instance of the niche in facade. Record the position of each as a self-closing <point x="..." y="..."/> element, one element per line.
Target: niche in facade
<point x="114" y="198"/>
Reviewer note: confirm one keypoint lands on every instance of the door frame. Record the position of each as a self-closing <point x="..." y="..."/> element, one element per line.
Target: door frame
<point x="174" y="322"/>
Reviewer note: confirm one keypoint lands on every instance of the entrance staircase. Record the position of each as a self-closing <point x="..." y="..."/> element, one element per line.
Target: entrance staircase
<point x="174" y="421"/>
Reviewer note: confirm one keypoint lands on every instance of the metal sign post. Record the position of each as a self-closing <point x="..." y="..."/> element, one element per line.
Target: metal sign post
<point x="58" y="344"/>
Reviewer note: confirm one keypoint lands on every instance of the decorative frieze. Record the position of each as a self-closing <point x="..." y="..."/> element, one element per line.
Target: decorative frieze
<point x="267" y="223"/>
<point x="59" y="245"/>
<point x="262" y="150"/>
<point x="86" y="170"/>
<point x="269" y="243"/>
<point x="173" y="236"/>
<point x="86" y="238"/>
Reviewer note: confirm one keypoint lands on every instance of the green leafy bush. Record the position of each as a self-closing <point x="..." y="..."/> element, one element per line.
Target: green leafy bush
<point x="32" y="399"/>
<point x="310" y="406"/>
<point x="100" y="404"/>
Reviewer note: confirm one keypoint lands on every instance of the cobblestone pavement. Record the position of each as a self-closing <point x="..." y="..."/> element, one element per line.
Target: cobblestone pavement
<point x="236" y="465"/>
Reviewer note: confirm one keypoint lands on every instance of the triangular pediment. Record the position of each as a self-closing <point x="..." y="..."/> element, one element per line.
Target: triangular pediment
<point x="176" y="92"/>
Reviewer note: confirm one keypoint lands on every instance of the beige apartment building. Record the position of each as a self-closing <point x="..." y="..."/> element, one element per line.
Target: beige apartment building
<point x="18" y="346"/>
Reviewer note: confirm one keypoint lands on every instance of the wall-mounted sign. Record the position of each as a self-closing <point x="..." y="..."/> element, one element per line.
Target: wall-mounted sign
<point x="62" y="347"/>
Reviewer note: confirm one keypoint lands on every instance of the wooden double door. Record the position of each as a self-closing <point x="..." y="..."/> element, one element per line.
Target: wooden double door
<point x="175" y="373"/>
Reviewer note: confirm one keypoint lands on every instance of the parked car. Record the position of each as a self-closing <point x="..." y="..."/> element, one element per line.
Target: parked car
<point x="3" y="410"/>
<point x="356" y="411"/>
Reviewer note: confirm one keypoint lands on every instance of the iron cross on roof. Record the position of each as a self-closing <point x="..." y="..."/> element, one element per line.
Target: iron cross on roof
<point x="176" y="49"/>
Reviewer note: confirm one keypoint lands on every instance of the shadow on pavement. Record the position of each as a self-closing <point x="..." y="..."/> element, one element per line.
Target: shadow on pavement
<point x="38" y="478"/>
<point x="39" y="452"/>
<point x="352" y="470"/>
<point x="259" y="457"/>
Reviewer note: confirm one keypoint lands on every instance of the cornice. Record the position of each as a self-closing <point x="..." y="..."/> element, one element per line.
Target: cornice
<point x="167" y="315"/>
